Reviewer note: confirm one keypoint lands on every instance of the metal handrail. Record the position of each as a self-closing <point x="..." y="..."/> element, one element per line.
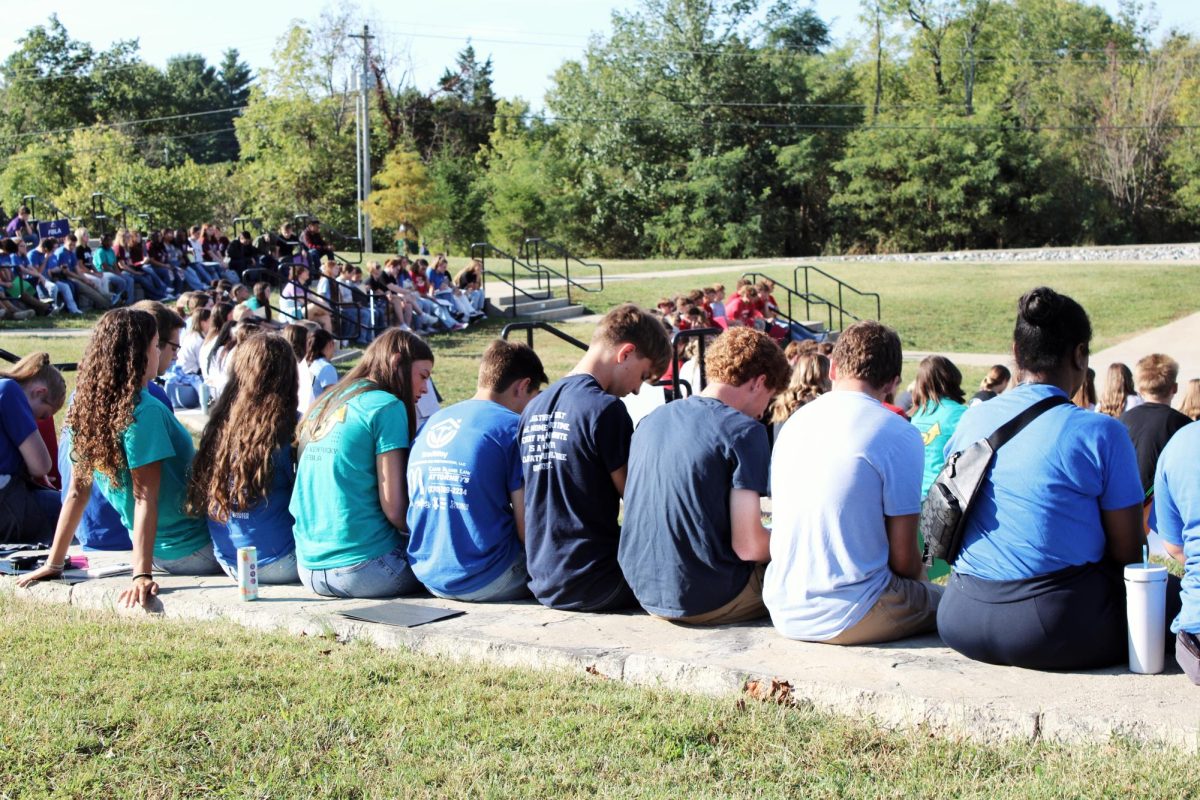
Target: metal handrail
<point x="302" y="220"/>
<point x="537" y="243"/>
<point x="482" y="248"/>
<point x="13" y="358"/>
<point x="702" y="334"/>
<point x="841" y="305"/>
<point x="334" y="309"/>
<point x="100" y="216"/>
<point x="530" y="327"/>
<point x="808" y="298"/>
<point x="31" y="200"/>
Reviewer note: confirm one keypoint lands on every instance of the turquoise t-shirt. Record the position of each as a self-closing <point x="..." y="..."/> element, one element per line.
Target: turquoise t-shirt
<point x="339" y="521"/>
<point x="156" y="435"/>
<point x="937" y="424"/>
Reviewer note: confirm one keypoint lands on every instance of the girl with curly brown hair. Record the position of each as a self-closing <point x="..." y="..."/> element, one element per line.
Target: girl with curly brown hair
<point x="245" y="467"/>
<point x="138" y="454"/>
<point x="350" y="499"/>
<point x="31" y="390"/>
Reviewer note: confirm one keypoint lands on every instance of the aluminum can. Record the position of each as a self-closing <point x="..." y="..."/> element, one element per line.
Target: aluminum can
<point x="247" y="572"/>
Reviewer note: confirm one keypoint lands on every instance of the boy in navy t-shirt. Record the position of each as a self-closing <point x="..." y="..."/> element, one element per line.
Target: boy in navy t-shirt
<point x="693" y="546"/>
<point x="466" y="495"/>
<point x="574" y="441"/>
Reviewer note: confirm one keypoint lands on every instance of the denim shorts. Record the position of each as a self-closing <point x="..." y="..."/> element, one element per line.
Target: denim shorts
<point x="202" y="562"/>
<point x="388" y="575"/>
<point x="280" y="571"/>
<point x="512" y="584"/>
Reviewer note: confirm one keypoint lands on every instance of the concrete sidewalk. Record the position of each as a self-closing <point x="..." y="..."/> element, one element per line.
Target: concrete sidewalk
<point x="1179" y="339"/>
<point x="916" y="683"/>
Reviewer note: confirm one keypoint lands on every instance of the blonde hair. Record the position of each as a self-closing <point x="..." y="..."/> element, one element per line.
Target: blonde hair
<point x="1156" y="374"/>
<point x="37" y="367"/>
<point x="1190" y="405"/>
<point x="810" y="380"/>
<point x="1117" y="386"/>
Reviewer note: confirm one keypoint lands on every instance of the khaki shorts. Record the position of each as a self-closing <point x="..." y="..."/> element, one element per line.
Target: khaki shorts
<point x="746" y="606"/>
<point x="907" y="607"/>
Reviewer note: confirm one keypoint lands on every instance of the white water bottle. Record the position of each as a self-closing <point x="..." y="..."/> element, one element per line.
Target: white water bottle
<point x="1146" y="612"/>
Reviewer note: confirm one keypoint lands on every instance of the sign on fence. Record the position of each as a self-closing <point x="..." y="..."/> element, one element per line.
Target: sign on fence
<point x="58" y="228"/>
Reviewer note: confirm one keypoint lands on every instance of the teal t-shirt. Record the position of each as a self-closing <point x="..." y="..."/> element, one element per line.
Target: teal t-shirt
<point x="339" y="521"/>
<point x="937" y="424"/>
<point x="156" y="435"/>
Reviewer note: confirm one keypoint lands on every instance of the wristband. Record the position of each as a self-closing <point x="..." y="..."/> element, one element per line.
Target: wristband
<point x="143" y="575"/>
<point x="56" y="567"/>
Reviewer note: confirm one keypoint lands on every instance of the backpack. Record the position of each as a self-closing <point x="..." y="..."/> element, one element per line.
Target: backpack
<point x="950" y="499"/>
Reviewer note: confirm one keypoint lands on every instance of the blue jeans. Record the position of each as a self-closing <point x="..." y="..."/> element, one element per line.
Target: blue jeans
<point x="202" y="562"/>
<point x="152" y="287"/>
<point x="192" y="279"/>
<point x="512" y="584"/>
<point x="278" y="572"/>
<point x="386" y="576"/>
<point x="166" y="276"/>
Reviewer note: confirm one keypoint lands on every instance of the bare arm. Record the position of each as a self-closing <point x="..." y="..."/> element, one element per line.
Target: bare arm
<point x="618" y="479"/>
<point x="393" y="488"/>
<point x="146" y="482"/>
<point x="36" y="456"/>
<point x="1123" y="534"/>
<point x="904" y="558"/>
<point x="751" y="541"/>
<point x="1175" y="552"/>
<point x="518" y="504"/>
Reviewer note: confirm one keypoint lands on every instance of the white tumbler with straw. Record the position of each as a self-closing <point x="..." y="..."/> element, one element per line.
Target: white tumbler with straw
<point x="1146" y="611"/>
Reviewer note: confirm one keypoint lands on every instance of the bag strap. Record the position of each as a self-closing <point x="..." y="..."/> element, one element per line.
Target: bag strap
<point x="1014" y="426"/>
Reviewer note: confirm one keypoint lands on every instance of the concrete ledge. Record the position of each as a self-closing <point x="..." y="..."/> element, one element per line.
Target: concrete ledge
<point x="918" y="683"/>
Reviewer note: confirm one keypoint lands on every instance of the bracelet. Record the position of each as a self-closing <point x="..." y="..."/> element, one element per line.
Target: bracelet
<point x="142" y="575"/>
<point x="56" y="567"/>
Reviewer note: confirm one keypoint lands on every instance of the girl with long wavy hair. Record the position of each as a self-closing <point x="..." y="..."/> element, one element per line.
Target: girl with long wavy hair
<point x="245" y="467"/>
<point x="350" y="498"/>
<point x="137" y="452"/>
<point x="1189" y="406"/>
<point x="1120" y="394"/>
<point x="31" y="390"/>
<point x="810" y="380"/>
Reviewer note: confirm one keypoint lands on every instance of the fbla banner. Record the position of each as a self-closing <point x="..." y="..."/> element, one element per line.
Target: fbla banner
<point x="57" y="228"/>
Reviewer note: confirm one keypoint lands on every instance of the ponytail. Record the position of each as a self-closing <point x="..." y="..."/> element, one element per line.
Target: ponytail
<point x="37" y="367"/>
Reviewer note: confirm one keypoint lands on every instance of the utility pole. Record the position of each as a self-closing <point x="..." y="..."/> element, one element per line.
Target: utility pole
<point x="363" y="145"/>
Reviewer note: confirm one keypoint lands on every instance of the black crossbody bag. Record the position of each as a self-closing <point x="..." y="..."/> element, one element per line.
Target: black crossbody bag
<point x="946" y="507"/>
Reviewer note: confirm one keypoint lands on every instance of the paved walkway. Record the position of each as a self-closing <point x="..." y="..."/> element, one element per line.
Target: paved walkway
<point x="918" y="682"/>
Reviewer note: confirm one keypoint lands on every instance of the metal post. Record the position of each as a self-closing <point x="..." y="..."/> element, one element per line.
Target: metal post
<point x="364" y="185"/>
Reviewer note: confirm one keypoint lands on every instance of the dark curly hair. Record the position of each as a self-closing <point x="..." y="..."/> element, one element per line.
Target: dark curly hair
<point x="110" y="381"/>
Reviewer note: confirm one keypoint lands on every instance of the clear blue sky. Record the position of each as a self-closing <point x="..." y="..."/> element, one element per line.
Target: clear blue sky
<point x="527" y="39"/>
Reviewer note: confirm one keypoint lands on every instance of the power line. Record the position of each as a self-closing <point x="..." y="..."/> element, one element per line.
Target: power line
<point x="129" y="123"/>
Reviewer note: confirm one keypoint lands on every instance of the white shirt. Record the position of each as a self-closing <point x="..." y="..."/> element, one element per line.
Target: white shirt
<point x="840" y="465"/>
<point x="189" y="351"/>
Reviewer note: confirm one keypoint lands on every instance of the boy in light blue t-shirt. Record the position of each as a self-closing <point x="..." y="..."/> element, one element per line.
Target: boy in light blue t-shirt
<point x="466" y="509"/>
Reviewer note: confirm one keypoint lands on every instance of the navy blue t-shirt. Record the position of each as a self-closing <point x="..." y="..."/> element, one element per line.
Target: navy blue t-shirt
<point x="677" y="544"/>
<point x="573" y="436"/>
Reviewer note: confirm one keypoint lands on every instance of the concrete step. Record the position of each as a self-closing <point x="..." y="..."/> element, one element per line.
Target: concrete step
<point x="506" y="299"/>
<point x="557" y="314"/>
<point x="548" y="311"/>
<point x="812" y="324"/>
<point x="529" y="307"/>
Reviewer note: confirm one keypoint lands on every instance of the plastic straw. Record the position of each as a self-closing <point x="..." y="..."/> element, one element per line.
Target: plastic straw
<point x="1146" y="555"/>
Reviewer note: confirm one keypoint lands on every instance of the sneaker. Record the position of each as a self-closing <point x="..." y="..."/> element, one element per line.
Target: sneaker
<point x="23" y="314"/>
<point x="459" y="327"/>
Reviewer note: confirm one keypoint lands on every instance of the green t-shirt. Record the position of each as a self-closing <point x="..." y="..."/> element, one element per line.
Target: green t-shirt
<point x="339" y="521"/>
<point x="19" y="287"/>
<point x="156" y="435"/>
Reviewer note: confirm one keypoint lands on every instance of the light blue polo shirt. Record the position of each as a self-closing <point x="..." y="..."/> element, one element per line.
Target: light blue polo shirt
<point x="1176" y="515"/>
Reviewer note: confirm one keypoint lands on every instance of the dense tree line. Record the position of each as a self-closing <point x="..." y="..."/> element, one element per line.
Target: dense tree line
<point x="717" y="128"/>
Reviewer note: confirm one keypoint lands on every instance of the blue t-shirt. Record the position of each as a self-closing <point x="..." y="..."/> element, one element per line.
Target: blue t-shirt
<point x="339" y="521"/>
<point x="463" y="467"/>
<point x="1038" y="510"/>
<point x="16" y="423"/>
<point x="65" y="257"/>
<point x="1176" y="516"/>
<point x="676" y="546"/>
<point x="573" y="437"/>
<point x="267" y="525"/>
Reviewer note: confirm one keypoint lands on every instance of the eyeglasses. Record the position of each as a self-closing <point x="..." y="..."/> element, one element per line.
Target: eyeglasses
<point x="170" y="344"/>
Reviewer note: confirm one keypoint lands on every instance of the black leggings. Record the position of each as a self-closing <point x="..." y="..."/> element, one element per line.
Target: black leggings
<point x="1070" y="619"/>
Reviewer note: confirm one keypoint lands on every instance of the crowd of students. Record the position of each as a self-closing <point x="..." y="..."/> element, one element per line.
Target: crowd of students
<point x="47" y="276"/>
<point x="518" y="491"/>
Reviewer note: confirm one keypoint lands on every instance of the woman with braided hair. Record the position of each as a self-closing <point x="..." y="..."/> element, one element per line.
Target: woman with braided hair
<point x="138" y="454"/>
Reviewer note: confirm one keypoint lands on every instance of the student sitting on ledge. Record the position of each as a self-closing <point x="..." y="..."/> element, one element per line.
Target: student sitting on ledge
<point x="349" y="501"/>
<point x="846" y="486"/>
<point x="574" y="449"/>
<point x="693" y="546"/>
<point x="466" y="494"/>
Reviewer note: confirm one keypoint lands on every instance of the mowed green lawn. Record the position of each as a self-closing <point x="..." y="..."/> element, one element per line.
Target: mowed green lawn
<point x="98" y="706"/>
